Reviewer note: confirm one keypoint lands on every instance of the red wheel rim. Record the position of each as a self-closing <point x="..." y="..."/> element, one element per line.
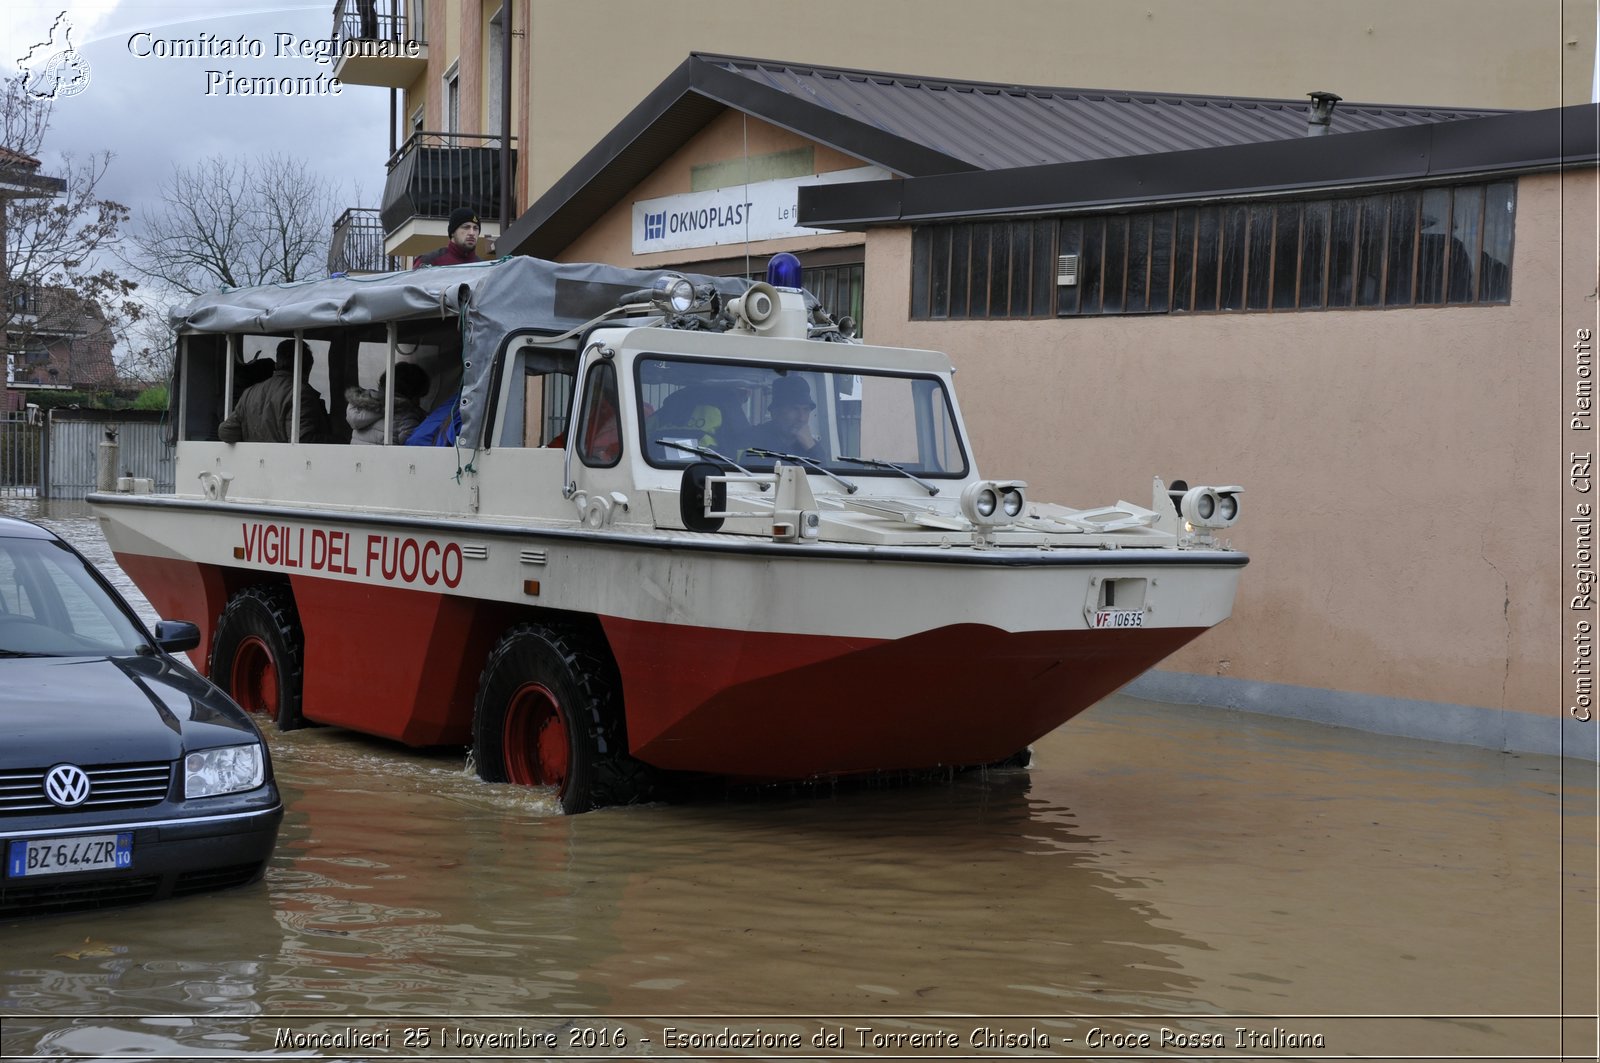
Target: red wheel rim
<point x="253" y="680"/>
<point x="535" y="739"/>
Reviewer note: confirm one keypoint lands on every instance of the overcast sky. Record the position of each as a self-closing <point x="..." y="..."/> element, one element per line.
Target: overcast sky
<point x="155" y="111"/>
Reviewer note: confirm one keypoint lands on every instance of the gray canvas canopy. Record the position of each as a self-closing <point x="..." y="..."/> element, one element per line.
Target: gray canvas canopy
<point x="492" y="299"/>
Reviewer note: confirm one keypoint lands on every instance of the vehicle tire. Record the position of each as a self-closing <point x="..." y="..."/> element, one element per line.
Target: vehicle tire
<point x="258" y="656"/>
<point x="548" y="714"/>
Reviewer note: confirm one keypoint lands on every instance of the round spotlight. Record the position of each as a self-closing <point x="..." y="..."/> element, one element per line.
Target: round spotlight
<point x="1205" y="505"/>
<point x="1011" y="502"/>
<point x="680" y="295"/>
<point x="1228" y="507"/>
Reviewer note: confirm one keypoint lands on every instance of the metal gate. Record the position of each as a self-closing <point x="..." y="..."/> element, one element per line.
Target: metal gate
<point x="72" y="449"/>
<point x="21" y="455"/>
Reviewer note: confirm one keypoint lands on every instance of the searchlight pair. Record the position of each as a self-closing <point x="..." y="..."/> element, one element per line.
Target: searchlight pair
<point x="1210" y="507"/>
<point x="988" y="503"/>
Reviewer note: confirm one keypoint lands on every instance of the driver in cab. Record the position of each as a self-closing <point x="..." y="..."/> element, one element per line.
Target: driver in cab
<point x="787" y="428"/>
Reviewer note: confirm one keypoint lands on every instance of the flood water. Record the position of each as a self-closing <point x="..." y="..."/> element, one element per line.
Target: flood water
<point x="1220" y="884"/>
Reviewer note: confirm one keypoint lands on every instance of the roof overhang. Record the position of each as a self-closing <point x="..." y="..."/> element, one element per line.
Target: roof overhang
<point x="1527" y="141"/>
<point x="681" y="106"/>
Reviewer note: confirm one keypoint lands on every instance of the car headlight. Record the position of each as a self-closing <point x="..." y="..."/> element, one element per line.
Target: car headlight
<point x="226" y="770"/>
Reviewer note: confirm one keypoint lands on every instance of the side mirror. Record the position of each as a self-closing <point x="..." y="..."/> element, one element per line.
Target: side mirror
<point x="175" y="636"/>
<point x="692" y="497"/>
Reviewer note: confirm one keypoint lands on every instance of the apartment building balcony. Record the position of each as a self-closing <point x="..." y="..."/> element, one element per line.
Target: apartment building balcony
<point x="357" y="244"/>
<point x="431" y="175"/>
<point x="24" y="298"/>
<point x="379" y="42"/>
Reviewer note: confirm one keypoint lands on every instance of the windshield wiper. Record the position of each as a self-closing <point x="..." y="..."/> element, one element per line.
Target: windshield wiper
<point x="25" y="653"/>
<point x="811" y="463"/>
<point x="878" y="463"/>
<point x="707" y="452"/>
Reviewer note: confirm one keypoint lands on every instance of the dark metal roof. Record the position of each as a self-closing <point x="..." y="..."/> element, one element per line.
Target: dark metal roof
<point x="916" y="126"/>
<point x="1520" y="142"/>
<point x="998" y="127"/>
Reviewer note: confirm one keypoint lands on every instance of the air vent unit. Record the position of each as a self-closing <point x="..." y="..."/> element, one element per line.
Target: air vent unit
<point x="1067" y="271"/>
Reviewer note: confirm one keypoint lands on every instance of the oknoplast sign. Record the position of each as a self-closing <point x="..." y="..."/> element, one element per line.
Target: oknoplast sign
<point x="763" y="210"/>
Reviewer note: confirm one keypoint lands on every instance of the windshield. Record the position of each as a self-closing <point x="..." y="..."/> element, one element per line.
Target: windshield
<point x="51" y="606"/>
<point x="752" y="414"/>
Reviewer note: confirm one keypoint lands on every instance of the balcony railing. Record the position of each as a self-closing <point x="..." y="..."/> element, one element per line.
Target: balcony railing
<point x="357" y="245"/>
<point x="434" y="173"/>
<point x="378" y="44"/>
<point x="24" y="298"/>
<point x="373" y="20"/>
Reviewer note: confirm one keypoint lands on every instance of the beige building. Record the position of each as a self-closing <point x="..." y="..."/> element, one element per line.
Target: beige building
<point x="577" y="69"/>
<point x="1369" y="330"/>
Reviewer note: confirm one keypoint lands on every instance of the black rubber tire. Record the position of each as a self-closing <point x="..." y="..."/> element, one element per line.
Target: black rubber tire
<point x="258" y="654"/>
<point x="540" y="677"/>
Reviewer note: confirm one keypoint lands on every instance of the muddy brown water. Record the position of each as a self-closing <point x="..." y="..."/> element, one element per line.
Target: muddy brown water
<point x="1166" y="881"/>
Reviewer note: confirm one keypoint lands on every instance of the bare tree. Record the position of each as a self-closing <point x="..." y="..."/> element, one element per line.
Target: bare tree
<point x="149" y="351"/>
<point x="57" y="243"/>
<point x="228" y="221"/>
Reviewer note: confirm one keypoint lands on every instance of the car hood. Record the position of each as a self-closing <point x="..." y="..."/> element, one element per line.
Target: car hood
<point x="106" y="710"/>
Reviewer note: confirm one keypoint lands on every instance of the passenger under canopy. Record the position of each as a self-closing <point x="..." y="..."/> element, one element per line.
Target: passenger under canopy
<point x="492" y="300"/>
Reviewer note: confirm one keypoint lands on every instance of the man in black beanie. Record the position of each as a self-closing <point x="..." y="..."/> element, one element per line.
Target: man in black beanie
<point x="463" y="245"/>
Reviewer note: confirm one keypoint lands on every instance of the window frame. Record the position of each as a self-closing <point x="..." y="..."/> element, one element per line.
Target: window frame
<point x="1418" y="246"/>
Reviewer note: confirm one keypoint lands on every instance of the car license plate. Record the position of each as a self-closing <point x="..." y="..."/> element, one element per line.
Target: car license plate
<point x="57" y="856"/>
<point x="1119" y="618"/>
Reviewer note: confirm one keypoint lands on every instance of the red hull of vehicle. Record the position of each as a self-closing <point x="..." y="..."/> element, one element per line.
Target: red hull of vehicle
<point x="775" y="706"/>
<point x="404" y="664"/>
<point x="381" y="660"/>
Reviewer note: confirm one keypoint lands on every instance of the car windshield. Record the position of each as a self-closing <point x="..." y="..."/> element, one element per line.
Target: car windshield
<point x="52" y="606"/>
<point x="851" y="422"/>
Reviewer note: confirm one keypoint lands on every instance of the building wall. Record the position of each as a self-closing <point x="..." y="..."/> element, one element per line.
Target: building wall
<point x="458" y="30"/>
<point x="1399" y="465"/>
<point x="583" y="66"/>
<point x="593" y="62"/>
<point x="727" y="139"/>
<point x="470" y="49"/>
<point x="82" y="362"/>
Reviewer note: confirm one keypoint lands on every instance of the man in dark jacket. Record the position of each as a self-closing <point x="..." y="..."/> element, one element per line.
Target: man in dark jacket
<point x="788" y="427"/>
<point x="463" y="245"/>
<point x="265" y="411"/>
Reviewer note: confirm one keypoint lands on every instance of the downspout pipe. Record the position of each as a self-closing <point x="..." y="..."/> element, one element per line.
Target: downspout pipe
<point x="505" y="121"/>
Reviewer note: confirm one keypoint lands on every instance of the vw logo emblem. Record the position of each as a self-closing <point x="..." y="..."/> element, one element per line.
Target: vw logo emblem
<point x="66" y="785"/>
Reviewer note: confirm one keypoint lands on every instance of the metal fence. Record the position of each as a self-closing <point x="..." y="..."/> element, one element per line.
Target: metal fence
<point x="58" y="455"/>
<point x="21" y="455"/>
<point x="357" y="245"/>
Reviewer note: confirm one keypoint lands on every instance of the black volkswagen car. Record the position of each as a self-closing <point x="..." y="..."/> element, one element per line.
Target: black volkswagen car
<point x="124" y="776"/>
